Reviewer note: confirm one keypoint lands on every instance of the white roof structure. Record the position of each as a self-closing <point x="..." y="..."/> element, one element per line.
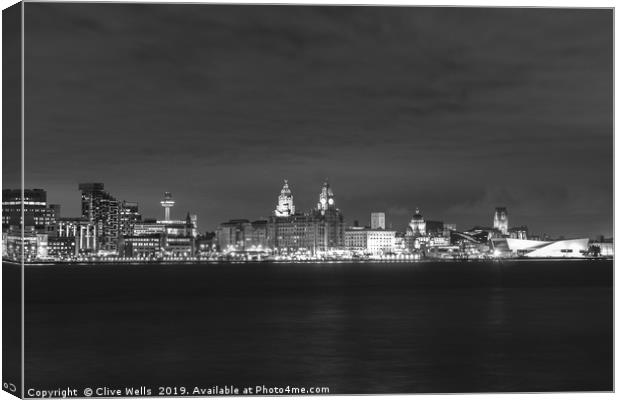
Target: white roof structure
<point x="570" y="248"/>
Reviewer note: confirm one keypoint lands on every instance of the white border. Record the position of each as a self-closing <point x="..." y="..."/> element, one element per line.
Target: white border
<point x="481" y="3"/>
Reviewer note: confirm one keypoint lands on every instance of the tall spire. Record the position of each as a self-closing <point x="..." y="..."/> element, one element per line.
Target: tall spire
<point x="285" y="207"/>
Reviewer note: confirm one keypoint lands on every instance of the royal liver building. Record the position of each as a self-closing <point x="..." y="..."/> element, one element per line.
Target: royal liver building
<point x="285" y="207"/>
<point x="319" y="230"/>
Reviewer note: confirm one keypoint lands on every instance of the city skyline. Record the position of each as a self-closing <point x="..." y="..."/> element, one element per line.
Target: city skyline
<point x="167" y="201"/>
<point x="218" y="104"/>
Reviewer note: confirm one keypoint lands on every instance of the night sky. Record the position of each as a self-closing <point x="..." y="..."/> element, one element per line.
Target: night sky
<point x="452" y="110"/>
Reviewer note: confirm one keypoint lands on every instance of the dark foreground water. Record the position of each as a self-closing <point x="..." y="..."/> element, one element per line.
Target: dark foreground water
<point x="355" y="328"/>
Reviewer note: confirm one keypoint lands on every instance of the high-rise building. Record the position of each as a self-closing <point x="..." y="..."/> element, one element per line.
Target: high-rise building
<point x="37" y="213"/>
<point x="377" y="220"/>
<point x="130" y="215"/>
<point x="285" y="207"/>
<point x="500" y="220"/>
<point x="104" y="211"/>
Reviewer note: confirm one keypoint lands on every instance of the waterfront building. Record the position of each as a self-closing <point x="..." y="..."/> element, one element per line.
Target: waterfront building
<point x="242" y="235"/>
<point x="130" y="215"/>
<point x="377" y="220"/>
<point x="370" y="241"/>
<point x="319" y="230"/>
<point x="500" y="220"/>
<point x="230" y="235"/>
<point x="60" y="248"/>
<point x="31" y="246"/>
<point x="146" y="246"/>
<point x="293" y="233"/>
<point x="206" y="244"/>
<point x="148" y="227"/>
<point x="79" y="231"/>
<point x="602" y="247"/>
<point x="175" y="238"/>
<point x="37" y="213"/>
<point x="163" y="238"/>
<point x="567" y="248"/>
<point x="285" y="206"/>
<point x="104" y="211"/>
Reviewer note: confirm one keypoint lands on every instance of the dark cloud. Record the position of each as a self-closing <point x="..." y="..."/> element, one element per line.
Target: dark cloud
<point x="454" y="110"/>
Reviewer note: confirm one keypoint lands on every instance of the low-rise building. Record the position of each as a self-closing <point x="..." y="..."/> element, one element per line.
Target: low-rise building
<point x="370" y="241"/>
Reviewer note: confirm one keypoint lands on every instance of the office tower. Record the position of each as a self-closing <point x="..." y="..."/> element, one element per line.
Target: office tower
<point x="102" y="210"/>
<point x="130" y="215"/>
<point x="377" y="220"/>
<point x="37" y="213"/>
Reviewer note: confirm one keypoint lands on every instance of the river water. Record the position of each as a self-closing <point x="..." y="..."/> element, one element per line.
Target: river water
<point x="352" y="327"/>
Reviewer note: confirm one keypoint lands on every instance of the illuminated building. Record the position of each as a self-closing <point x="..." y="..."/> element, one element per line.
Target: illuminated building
<point x="161" y="238"/>
<point x="167" y="203"/>
<point x="148" y="227"/>
<point x="377" y="220"/>
<point x="319" y="230"/>
<point x="104" y="211"/>
<point x="570" y="248"/>
<point x="500" y="220"/>
<point x="61" y="247"/>
<point x="372" y="241"/>
<point x="81" y="232"/>
<point x="285" y="207"/>
<point x="33" y="245"/>
<point x="130" y="215"/>
<point x="37" y="213"/>
<point x="417" y="226"/>
<point x="148" y="246"/>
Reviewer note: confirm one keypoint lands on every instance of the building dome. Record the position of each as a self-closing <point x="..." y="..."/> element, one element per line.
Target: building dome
<point x="417" y="226"/>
